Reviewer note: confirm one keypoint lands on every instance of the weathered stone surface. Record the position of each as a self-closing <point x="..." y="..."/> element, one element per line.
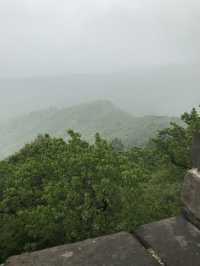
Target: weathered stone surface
<point x="191" y="193"/>
<point x="190" y="217"/>
<point x="115" y="250"/>
<point x="175" y="240"/>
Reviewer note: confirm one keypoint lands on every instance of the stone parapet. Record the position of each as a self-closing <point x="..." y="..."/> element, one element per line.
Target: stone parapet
<point x="191" y="196"/>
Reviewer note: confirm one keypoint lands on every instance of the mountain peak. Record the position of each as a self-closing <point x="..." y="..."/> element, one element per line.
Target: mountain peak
<point x="100" y="116"/>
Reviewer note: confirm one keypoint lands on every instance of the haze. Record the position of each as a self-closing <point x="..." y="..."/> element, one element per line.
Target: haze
<point x="142" y="54"/>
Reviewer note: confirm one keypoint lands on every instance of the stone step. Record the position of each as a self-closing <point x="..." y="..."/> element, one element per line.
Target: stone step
<point x="120" y="249"/>
<point x="176" y="241"/>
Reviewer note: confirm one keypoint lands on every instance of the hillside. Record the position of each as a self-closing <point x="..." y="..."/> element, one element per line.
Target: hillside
<point x="99" y="116"/>
<point x="54" y="192"/>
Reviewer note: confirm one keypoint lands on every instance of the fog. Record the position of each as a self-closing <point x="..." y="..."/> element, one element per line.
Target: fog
<point x="142" y="54"/>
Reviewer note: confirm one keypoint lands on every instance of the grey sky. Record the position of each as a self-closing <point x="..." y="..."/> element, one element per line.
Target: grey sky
<point x="45" y="37"/>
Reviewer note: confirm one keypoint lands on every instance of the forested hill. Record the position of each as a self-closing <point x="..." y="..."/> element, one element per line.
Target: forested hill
<point x="99" y="116"/>
<point x="54" y="192"/>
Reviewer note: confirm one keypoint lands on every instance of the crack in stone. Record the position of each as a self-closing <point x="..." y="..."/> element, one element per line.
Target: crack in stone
<point x="155" y="256"/>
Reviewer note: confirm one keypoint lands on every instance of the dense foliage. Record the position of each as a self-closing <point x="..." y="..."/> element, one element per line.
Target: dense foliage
<point x="54" y="192"/>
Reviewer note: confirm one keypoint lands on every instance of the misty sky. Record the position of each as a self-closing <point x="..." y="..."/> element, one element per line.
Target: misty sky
<point x="54" y="37"/>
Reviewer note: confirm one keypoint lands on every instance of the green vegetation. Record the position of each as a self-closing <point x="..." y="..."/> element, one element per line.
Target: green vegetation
<point x="55" y="191"/>
<point x="99" y="116"/>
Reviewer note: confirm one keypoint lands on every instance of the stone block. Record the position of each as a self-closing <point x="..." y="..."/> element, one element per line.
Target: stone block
<point x="120" y="249"/>
<point x="191" y="195"/>
<point x="175" y="241"/>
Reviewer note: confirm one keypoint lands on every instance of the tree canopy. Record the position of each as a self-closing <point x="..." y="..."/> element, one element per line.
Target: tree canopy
<point x="54" y="192"/>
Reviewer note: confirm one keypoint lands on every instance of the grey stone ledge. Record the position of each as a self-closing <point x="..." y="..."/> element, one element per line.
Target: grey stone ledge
<point x="120" y="249"/>
<point x="175" y="240"/>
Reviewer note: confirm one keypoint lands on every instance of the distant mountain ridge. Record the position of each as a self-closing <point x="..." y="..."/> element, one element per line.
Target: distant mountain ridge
<point x="169" y="90"/>
<point x="89" y="118"/>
